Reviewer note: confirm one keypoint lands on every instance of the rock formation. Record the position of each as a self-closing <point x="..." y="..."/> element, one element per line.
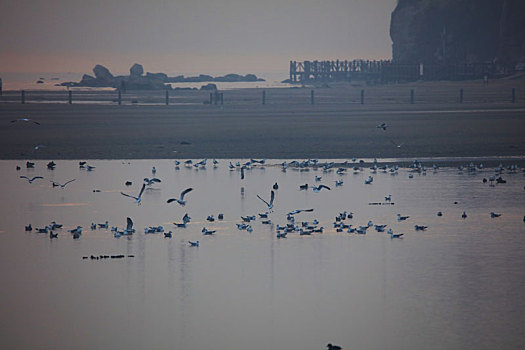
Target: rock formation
<point x="458" y="31"/>
<point x="151" y="81"/>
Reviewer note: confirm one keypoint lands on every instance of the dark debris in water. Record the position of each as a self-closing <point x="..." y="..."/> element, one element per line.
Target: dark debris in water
<point x="103" y="257"/>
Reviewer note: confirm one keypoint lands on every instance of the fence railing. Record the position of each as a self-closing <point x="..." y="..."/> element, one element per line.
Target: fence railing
<point x="323" y="95"/>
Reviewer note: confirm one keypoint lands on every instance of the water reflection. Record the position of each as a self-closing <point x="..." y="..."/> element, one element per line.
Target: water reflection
<point x="457" y="285"/>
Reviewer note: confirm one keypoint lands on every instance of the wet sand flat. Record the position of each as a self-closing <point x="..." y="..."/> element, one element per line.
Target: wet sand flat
<point x="288" y="126"/>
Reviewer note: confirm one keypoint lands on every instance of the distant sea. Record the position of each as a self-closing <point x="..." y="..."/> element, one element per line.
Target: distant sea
<point x="28" y="81"/>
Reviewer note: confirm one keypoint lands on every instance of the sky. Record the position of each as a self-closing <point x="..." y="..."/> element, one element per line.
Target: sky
<point x="189" y="36"/>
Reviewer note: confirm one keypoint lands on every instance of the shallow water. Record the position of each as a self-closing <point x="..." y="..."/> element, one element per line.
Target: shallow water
<point x="458" y="285"/>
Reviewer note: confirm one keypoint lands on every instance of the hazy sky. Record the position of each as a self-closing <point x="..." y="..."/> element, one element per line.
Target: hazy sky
<point x="188" y="36"/>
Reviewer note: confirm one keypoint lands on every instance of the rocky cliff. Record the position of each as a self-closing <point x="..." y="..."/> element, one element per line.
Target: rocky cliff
<point x="458" y="31"/>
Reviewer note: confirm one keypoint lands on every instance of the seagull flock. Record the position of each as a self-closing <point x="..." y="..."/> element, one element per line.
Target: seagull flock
<point x="292" y="224"/>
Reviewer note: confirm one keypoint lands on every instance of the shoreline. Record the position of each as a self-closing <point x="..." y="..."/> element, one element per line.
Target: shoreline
<point x="286" y="127"/>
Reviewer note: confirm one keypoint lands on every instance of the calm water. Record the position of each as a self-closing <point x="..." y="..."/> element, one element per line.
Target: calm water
<point x="458" y="285"/>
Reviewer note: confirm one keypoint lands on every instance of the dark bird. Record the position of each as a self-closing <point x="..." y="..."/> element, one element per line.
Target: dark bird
<point x="51" y="165"/>
<point x="333" y="347"/>
<point x="30" y="165"/>
<point x="275" y="186"/>
<point x="32" y="179"/>
<point x="303" y="187"/>
<point x="137" y="199"/>
<point x="181" y="200"/>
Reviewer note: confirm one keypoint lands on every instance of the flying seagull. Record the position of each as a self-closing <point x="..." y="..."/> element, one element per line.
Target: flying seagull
<point x="129" y="226"/>
<point x="25" y="120"/>
<point x="272" y="197"/>
<point x="31" y="180"/>
<point x="320" y="187"/>
<point x="297" y="211"/>
<point x="180" y="200"/>
<point x="382" y="126"/>
<point x="56" y="184"/>
<point x="139" y="197"/>
<point x="398" y="145"/>
<point x="150" y="182"/>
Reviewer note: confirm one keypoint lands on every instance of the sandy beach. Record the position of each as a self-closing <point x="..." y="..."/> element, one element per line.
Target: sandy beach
<point x="287" y="126"/>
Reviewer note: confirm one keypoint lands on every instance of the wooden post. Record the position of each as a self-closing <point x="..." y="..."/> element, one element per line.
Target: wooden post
<point x="23" y="96"/>
<point x="211" y="97"/>
<point x="264" y="97"/>
<point x="362" y="96"/>
<point x="513" y="95"/>
<point x="119" y="98"/>
<point x="222" y="98"/>
<point x="411" y="96"/>
<point x="70" y="96"/>
<point x="312" y="101"/>
<point x="167" y="97"/>
<point x="460" y="95"/>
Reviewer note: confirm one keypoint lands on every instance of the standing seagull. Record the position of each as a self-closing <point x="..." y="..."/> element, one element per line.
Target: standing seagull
<point x="180" y="200"/>
<point x="56" y="184"/>
<point x="139" y="197"/>
<point x="25" y="120"/>
<point x="272" y="197"/>
<point x="31" y="180"/>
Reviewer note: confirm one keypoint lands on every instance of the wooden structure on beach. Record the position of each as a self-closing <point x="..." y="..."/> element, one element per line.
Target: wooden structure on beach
<point x="384" y="71"/>
<point x="339" y="70"/>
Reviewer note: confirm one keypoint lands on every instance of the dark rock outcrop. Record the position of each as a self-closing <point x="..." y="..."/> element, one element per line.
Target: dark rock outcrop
<point x="458" y="31"/>
<point x="103" y="74"/>
<point x="151" y="81"/>
<point x="136" y="70"/>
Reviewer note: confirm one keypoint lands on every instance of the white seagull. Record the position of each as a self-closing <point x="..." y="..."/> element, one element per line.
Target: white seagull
<point x="320" y="187"/>
<point x="382" y="126"/>
<point x="150" y="182"/>
<point x="25" y="120"/>
<point x="180" y="200"/>
<point x="272" y="197"/>
<point x="137" y="199"/>
<point x="32" y="179"/>
<point x="56" y="184"/>
<point x="398" y="145"/>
